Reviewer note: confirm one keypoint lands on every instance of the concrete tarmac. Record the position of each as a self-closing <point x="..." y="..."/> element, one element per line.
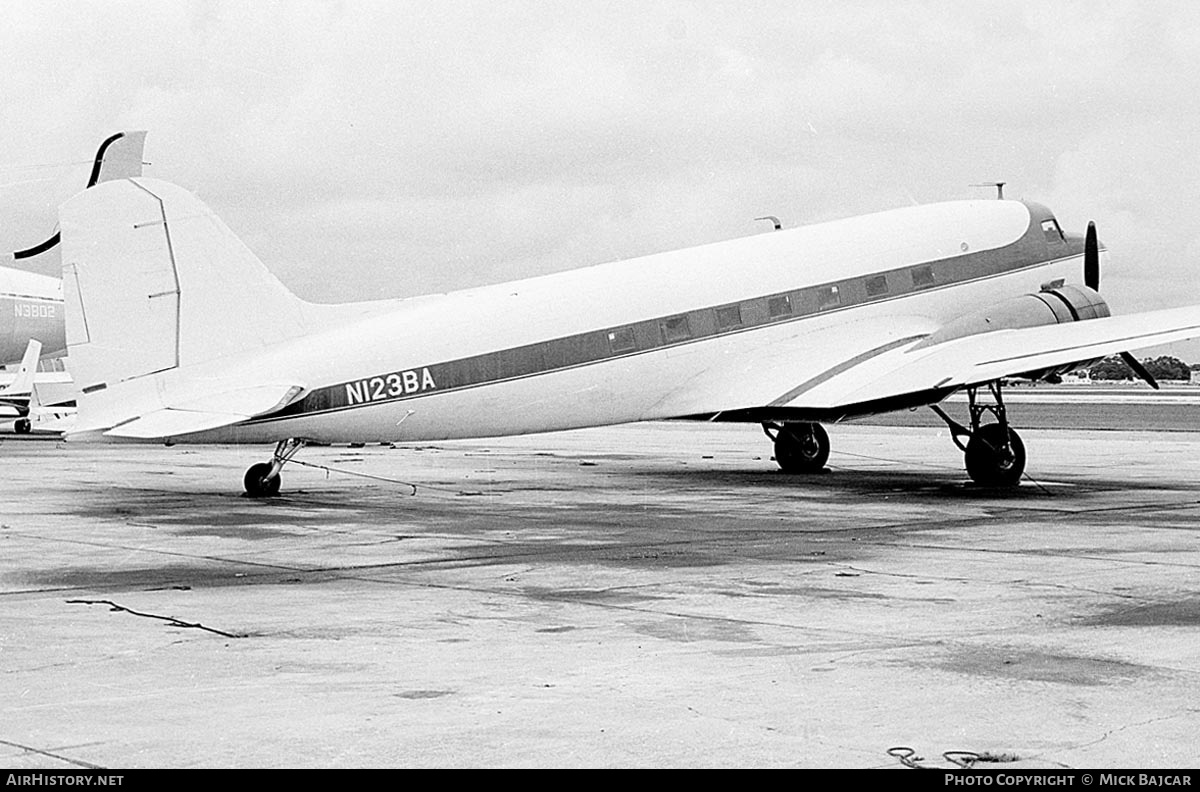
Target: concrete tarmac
<point x="653" y="595"/>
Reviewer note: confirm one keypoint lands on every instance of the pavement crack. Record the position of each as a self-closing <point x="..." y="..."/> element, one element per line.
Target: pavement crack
<point x="169" y="619"/>
<point x="1138" y="724"/>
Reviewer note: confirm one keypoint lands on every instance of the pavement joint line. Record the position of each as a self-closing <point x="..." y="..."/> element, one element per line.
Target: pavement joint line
<point x="67" y="759"/>
<point x="1036" y="554"/>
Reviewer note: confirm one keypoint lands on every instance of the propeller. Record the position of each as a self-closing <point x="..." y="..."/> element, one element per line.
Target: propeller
<point x="1139" y="369"/>
<point x="1091" y="258"/>
<point x="1091" y="279"/>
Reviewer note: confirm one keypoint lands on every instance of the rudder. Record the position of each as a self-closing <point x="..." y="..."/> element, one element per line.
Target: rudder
<point x="153" y="280"/>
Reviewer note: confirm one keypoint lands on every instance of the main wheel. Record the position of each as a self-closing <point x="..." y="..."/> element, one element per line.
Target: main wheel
<point x="22" y="426"/>
<point x="801" y="448"/>
<point x="257" y="482"/>
<point x="993" y="460"/>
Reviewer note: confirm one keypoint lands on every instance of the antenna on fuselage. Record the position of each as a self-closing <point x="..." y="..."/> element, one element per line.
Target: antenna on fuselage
<point x="773" y="219"/>
<point x="999" y="188"/>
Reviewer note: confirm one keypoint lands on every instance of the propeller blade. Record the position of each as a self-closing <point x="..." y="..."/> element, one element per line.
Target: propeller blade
<point x="1139" y="369"/>
<point x="1091" y="259"/>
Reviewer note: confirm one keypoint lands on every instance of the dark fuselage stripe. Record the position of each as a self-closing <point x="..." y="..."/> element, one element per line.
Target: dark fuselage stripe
<point x="54" y="300"/>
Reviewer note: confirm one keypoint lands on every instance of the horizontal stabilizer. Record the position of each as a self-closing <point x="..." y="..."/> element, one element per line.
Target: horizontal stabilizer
<point x="184" y="412"/>
<point x="210" y="411"/>
<point x="172" y="423"/>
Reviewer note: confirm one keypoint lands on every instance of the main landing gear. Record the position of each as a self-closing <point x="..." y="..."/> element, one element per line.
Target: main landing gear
<point x="995" y="455"/>
<point x="799" y="447"/>
<point x="262" y="479"/>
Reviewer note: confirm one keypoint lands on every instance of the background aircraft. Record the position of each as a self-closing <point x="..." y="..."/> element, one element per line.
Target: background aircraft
<point x="31" y="304"/>
<point x="18" y="395"/>
<point x="178" y="333"/>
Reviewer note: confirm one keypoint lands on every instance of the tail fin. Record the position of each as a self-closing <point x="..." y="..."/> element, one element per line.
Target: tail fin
<point x="119" y="157"/>
<point x="19" y="392"/>
<point x="153" y="280"/>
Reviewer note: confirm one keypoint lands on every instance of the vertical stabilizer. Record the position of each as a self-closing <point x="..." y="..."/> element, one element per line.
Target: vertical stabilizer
<point x="153" y="281"/>
<point x="119" y="157"/>
<point x="20" y="390"/>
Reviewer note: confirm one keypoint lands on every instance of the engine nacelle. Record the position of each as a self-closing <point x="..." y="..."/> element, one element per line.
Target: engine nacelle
<point x="1056" y="303"/>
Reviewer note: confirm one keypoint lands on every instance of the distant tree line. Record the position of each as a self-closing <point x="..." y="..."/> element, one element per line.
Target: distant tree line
<point x="1164" y="367"/>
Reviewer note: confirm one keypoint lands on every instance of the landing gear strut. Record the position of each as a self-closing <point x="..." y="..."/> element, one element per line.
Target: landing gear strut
<point x="799" y="447"/>
<point x="995" y="455"/>
<point x="262" y="479"/>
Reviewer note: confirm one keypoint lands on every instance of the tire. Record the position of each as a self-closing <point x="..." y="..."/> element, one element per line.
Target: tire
<point x="22" y="426"/>
<point x="988" y="461"/>
<point x="802" y="448"/>
<point x="257" y="484"/>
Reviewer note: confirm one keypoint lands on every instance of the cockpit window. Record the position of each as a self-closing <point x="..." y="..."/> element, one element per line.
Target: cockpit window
<point x="1052" y="231"/>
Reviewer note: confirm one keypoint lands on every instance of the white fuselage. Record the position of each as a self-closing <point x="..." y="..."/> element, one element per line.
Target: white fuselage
<point x="31" y="306"/>
<point x="551" y="353"/>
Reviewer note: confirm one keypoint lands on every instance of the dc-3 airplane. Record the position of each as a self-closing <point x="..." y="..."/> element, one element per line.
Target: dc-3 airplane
<point x="177" y="333"/>
<point x="31" y="304"/>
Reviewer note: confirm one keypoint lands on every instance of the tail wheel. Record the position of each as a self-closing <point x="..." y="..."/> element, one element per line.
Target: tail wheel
<point x="802" y="448"/>
<point x="995" y="456"/>
<point x="260" y="483"/>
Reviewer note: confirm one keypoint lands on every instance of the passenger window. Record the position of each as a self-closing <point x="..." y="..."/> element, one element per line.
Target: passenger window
<point x="729" y="316"/>
<point x="828" y="297"/>
<point x="622" y="340"/>
<point x="675" y="329"/>
<point x="779" y="306"/>
<point x="922" y="277"/>
<point x="877" y="285"/>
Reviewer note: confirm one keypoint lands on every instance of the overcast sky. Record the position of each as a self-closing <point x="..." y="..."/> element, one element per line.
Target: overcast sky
<point x="365" y="150"/>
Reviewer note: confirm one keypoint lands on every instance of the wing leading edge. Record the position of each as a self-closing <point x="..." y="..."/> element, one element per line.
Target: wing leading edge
<point x="907" y="371"/>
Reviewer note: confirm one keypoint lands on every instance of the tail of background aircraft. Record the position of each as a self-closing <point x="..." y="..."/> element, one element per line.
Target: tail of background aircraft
<point x="19" y="392"/>
<point x="119" y="157"/>
<point x="153" y="280"/>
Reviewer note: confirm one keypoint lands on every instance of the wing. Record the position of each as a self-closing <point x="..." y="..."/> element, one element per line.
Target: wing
<point x="898" y="368"/>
